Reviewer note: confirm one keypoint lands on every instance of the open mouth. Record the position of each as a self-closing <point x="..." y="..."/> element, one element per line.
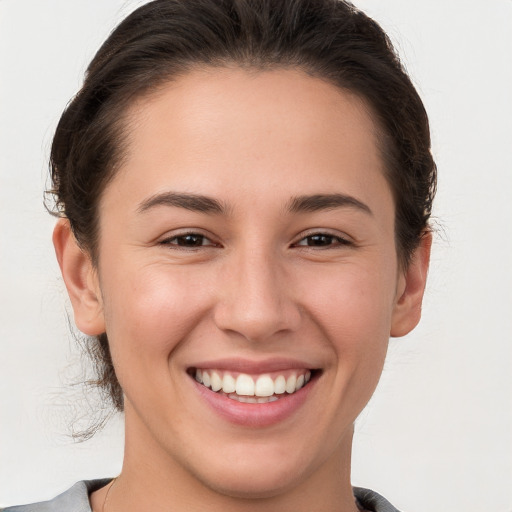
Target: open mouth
<point x="253" y="389"/>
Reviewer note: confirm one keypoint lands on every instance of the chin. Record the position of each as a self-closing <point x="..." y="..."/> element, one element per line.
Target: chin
<point x="254" y="477"/>
<point x="257" y="483"/>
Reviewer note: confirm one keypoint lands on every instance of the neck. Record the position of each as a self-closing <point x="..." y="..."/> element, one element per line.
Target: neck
<point x="152" y="480"/>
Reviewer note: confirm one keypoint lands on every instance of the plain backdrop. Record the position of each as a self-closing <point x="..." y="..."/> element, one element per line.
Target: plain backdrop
<point x="437" y="436"/>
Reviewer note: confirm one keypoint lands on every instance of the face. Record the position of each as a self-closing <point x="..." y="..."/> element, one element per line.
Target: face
<point x="247" y="277"/>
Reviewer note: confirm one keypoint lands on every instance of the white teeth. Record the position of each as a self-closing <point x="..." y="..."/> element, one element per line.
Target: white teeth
<point x="252" y="400"/>
<point x="244" y="385"/>
<point x="216" y="382"/>
<point x="264" y="386"/>
<point x="228" y="384"/>
<point x="266" y="399"/>
<point x="247" y="399"/>
<point x="290" y="383"/>
<point x="246" y="390"/>
<point x="280" y="385"/>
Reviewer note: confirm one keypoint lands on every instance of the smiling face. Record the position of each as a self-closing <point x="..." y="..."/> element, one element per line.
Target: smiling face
<point x="247" y="245"/>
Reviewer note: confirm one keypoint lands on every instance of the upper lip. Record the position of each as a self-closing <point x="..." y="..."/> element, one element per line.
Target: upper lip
<point x="254" y="367"/>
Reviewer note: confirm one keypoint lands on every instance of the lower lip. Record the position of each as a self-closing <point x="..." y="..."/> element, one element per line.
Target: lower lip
<point x="255" y="415"/>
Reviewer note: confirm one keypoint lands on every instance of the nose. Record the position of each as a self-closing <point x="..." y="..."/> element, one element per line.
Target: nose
<point x="255" y="297"/>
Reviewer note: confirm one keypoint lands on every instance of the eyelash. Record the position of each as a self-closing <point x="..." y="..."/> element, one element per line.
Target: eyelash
<point x="340" y="241"/>
<point x="328" y="237"/>
<point x="182" y="236"/>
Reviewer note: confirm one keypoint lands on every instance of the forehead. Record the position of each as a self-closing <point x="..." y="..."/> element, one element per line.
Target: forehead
<point x="219" y="131"/>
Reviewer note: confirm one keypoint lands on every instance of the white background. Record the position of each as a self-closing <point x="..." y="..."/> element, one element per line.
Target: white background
<point x="437" y="436"/>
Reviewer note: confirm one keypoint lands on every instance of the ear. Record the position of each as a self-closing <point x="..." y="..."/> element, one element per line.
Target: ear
<point x="410" y="289"/>
<point x="81" y="280"/>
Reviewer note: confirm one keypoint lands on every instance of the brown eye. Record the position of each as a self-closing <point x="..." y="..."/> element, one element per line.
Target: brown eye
<point x="322" y="240"/>
<point x="319" y="240"/>
<point x="188" y="240"/>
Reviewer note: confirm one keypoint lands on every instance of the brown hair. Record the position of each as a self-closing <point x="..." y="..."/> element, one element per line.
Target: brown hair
<point x="330" y="39"/>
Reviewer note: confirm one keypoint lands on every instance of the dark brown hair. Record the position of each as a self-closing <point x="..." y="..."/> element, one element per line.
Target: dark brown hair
<point x="161" y="40"/>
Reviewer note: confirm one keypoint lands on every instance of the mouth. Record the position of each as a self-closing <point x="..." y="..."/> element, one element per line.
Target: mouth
<point x="253" y="388"/>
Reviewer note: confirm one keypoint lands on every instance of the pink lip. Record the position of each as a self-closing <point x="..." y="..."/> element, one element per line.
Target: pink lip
<point x="254" y="367"/>
<point x="254" y="415"/>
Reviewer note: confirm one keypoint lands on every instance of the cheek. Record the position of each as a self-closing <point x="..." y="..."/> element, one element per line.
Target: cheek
<point x="149" y="312"/>
<point x="353" y="303"/>
<point x="350" y="305"/>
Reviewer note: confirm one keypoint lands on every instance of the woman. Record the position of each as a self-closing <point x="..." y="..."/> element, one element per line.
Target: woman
<point x="244" y="190"/>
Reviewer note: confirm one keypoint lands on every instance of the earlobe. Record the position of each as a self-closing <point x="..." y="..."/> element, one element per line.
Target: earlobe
<point x="407" y="309"/>
<point x="81" y="281"/>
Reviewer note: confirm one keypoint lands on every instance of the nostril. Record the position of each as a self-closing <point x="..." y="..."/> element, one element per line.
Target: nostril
<point x="254" y="302"/>
<point x="256" y="324"/>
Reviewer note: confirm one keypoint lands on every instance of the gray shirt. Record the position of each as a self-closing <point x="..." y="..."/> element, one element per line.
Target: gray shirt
<point x="76" y="499"/>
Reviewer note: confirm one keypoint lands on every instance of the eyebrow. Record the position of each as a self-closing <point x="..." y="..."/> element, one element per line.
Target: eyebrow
<point x="205" y="204"/>
<point x="318" y="202"/>
<point x="193" y="202"/>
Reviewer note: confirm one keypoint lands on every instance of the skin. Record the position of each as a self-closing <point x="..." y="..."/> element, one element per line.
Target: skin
<point x="256" y="289"/>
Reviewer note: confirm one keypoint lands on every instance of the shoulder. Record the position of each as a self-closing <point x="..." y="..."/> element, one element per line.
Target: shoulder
<point x="373" y="501"/>
<point x="75" y="499"/>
